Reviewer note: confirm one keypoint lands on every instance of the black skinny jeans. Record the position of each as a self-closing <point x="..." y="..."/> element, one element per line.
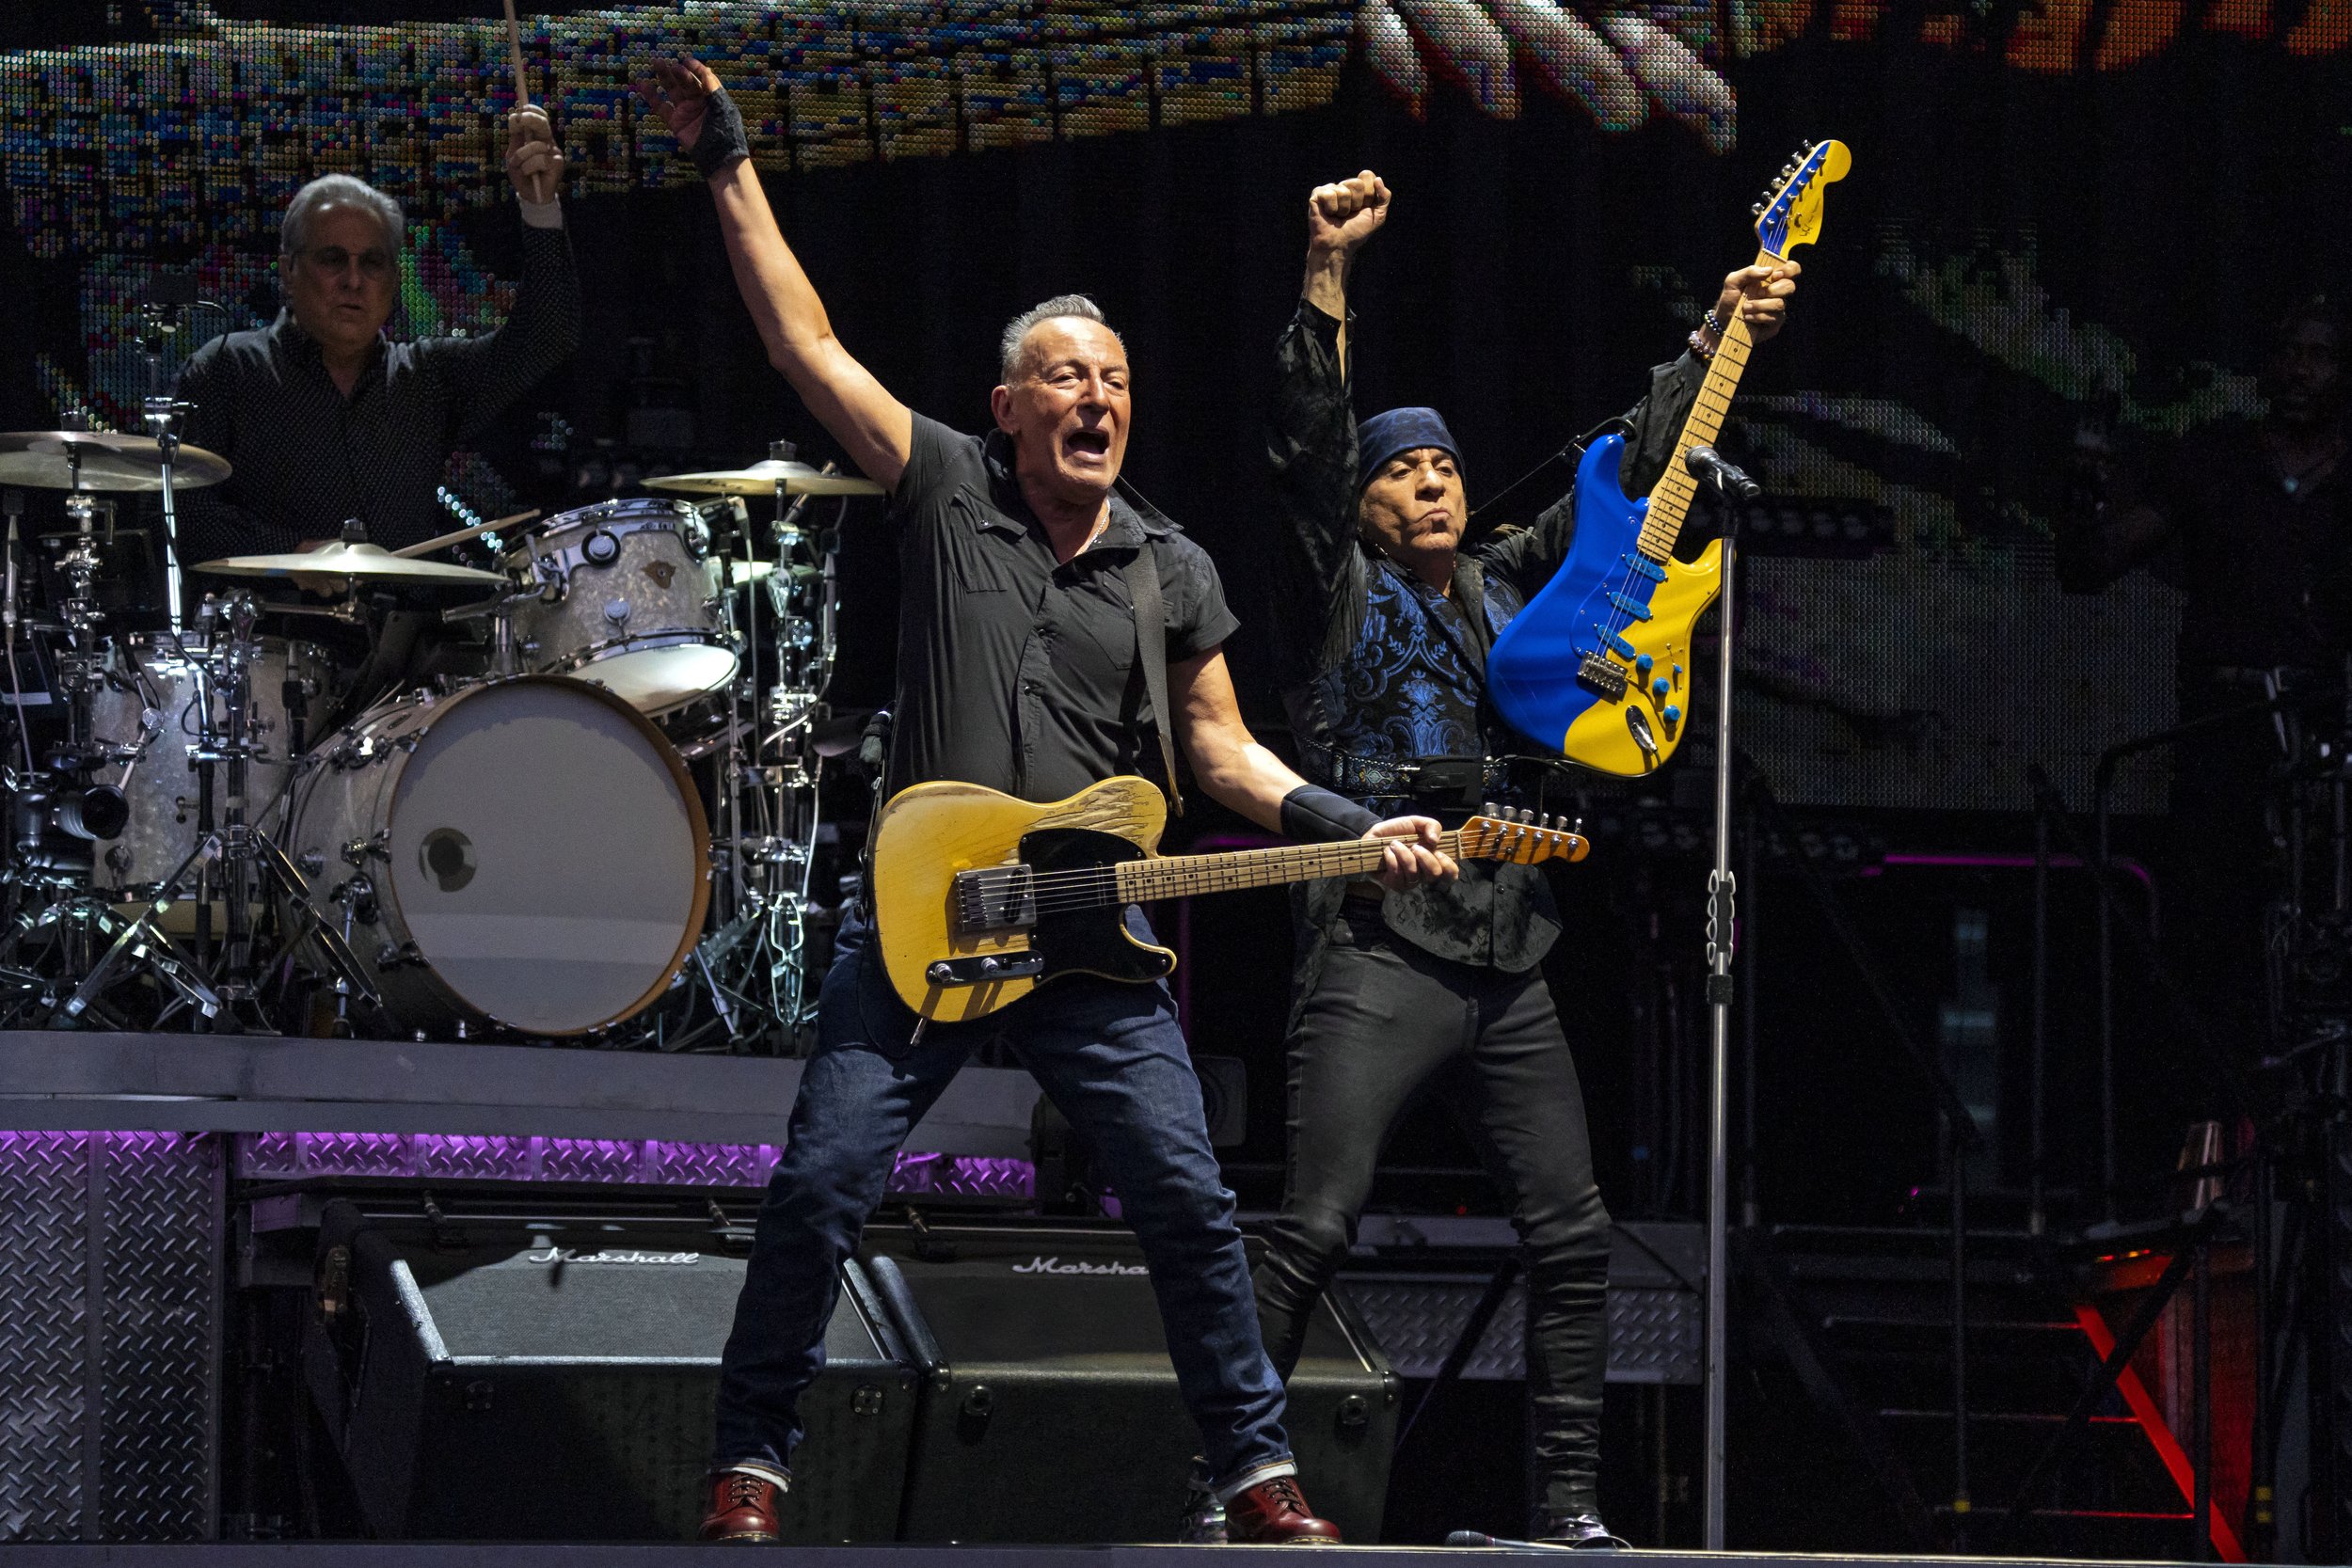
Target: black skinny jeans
<point x="1384" y="1020"/>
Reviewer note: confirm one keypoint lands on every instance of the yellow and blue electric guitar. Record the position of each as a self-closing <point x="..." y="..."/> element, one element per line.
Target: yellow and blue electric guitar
<point x="979" y="898"/>
<point x="1598" y="663"/>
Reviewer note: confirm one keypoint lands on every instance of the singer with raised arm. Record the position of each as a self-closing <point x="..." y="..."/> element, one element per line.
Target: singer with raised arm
<point x="1026" y="665"/>
<point x="325" y="417"/>
<point x="1394" y="989"/>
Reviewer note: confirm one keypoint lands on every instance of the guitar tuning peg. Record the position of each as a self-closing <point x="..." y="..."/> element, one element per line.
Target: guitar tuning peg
<point x="1489" y="809"/>
<point x="1758" y="209"/>
<point x="1579" y="829"/>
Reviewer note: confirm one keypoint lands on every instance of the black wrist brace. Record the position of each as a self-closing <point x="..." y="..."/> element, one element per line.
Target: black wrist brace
<point x="723" y="142"/>
<point x="1314" y="815"/>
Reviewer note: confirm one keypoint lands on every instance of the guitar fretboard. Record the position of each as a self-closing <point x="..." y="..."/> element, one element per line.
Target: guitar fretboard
<point x="1671" y="500"/>
<point x="1180" y="876"/>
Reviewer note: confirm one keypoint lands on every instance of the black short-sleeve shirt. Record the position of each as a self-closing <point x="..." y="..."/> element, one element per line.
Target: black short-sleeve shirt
<point x="1015" y="670"/>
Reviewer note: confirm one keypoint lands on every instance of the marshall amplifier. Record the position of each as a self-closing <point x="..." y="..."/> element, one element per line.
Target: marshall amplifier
<point x="1048" y="1409"/>
<point x="498" y="1381"/>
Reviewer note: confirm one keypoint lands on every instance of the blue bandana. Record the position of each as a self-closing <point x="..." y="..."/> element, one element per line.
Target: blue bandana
<point x="1384" y="435"/>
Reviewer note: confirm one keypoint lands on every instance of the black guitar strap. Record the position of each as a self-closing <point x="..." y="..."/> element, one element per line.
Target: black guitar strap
<point x="1142" y="572"/>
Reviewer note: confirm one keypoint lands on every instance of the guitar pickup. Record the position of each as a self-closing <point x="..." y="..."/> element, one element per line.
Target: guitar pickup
<point x="1602" y="675"/>
<point x="983" y="969"/>
<point x="994" y="899"/>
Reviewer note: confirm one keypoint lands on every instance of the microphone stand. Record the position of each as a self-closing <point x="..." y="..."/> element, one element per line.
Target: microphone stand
<point x="1734" y="489"/>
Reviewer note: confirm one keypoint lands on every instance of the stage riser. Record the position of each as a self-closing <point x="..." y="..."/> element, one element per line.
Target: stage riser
<point x="110" y="1296"/>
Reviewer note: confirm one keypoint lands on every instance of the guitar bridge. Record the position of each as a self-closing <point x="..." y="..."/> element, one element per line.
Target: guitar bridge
<point x="994" y="899"/>
<point x="1603" y="675"/>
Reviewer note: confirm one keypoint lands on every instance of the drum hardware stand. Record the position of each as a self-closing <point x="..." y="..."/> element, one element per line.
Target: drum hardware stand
<point x="223" y="855"/>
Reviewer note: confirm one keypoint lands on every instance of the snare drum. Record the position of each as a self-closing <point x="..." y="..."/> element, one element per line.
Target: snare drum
<point x="147" y="709"/>
<point x="526" y="852"/>
<point x="630" y="600"/>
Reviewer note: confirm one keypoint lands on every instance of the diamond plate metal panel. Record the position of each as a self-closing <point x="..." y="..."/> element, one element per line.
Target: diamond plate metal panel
<point x="963" y="1176"/>
<point x="262" y="1155"/>
<point x="1655" y="1335"/>
<point x="108" y="1411"/>
<point x="355" y="1154"/>
<point x="160" y="1209"/>
<point x="592" y="1159"/>
<point x="714" y="1164"/>
<point x="472" y="1156"/>
<point x="44" y="1371"/>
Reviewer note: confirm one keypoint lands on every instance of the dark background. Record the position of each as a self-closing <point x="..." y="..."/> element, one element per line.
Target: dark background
<point x="1533" y="269"/>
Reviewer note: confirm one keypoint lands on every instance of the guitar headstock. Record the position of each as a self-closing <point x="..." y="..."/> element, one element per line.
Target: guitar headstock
<point x="1791" y="214"/>
<point x="1522" y="837"/>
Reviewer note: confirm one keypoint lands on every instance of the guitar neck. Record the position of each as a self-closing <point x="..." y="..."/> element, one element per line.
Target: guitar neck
<point x="1671" y="500"/>
<point x="1180" y="876"/>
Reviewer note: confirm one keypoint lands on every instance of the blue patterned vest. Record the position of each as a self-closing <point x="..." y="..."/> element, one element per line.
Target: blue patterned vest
<point x="1404" y="684"/>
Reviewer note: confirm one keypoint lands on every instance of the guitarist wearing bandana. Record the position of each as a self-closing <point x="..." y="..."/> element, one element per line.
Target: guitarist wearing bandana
<point x="1385" y="681"/>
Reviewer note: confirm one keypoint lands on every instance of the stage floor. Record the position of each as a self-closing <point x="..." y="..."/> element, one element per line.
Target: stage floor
<point x="329" y="1554"/>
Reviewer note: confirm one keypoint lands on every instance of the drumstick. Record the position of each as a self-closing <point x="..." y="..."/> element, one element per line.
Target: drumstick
<point x="465" y="534"/>
<point x="522" y="88"/>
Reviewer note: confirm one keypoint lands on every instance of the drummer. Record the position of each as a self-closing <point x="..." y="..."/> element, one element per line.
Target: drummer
<point x="324" y="416"/>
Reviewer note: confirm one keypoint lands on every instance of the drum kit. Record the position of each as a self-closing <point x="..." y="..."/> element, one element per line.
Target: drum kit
<point x="598" y="822"/>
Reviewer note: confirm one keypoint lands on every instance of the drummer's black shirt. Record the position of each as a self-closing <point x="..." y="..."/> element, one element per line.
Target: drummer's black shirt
<point x="1015" y="670"/>
<point x="306" y="458"/>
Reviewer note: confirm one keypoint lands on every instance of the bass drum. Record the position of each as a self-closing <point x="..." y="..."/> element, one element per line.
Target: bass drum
<point x="527" y="853"/>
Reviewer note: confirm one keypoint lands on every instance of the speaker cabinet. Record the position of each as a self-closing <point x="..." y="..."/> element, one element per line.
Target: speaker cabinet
<point x="504" y="1382"/>
<point x="1048" y="1409"/>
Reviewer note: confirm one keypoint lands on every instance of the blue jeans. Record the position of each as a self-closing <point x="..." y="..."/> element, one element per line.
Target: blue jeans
<point x="1113" y="1060"/>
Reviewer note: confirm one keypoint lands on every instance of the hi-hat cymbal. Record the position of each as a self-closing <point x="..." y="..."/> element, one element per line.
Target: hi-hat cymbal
<point x="101" y="460"/>
<point x="763" y="478"/>
<point x="357" y="563"/>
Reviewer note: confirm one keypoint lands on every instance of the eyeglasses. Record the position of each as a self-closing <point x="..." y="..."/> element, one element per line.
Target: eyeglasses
<point x="329" y="261"/>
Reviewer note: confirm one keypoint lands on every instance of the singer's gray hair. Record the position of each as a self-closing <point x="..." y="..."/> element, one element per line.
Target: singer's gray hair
<point x="338" y="190"/>
<point x="1012" y="350"/>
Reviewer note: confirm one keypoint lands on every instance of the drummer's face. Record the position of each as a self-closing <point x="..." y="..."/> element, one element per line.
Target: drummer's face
<point x="342" y="282"/>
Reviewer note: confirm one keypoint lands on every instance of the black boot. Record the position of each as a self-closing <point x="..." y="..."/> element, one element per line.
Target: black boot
<point x="1567" y="1360"/>
<point x="1583" y="1531"/>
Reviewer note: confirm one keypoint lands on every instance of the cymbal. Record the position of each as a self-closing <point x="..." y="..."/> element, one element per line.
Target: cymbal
<point x="357" y="563"/>
<point x="48" y="460"/>
<point x="762" y="477"/>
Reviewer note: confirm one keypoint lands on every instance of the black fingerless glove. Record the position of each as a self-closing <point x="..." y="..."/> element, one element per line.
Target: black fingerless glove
<point x="1315" y="815"/>
<point x="722" y="142"/>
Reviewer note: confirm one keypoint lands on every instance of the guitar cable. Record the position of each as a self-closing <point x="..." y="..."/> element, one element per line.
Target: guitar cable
<point x="1570" y="455"/>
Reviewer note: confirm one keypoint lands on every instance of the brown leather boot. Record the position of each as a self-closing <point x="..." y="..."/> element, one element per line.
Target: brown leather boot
<point x="1273" y="1514"/>
<point x="744" y="1506"/>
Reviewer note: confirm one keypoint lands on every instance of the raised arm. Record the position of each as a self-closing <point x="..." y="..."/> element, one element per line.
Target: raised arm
<point x="873" y="427"/>
<point x="1243" y="775"/>
<point x="488" y="374"/>
<point x="1310" y="434"/>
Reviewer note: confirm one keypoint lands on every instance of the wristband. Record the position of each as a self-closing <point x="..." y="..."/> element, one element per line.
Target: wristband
<point x="722" y="142"/>
<point x="1314" y="815"/>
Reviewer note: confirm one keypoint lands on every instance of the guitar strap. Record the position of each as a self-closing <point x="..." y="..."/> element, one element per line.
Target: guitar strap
<point x="1142" y="572"/>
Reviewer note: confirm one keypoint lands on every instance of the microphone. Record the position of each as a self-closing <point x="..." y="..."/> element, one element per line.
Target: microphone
<point x="1479" y="1538"/>
<point x="873" y="741"/>
<point x="8" y="605"/>
<point x="1708" y="464"/>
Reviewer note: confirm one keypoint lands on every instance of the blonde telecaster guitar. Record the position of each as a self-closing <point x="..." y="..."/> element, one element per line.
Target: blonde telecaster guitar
<point x="979" y="898"/>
